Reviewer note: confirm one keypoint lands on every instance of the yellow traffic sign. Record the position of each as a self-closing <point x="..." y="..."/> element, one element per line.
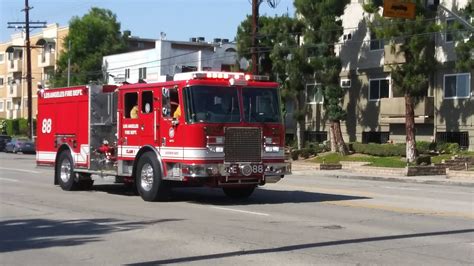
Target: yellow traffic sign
<point x="398" y="9"/>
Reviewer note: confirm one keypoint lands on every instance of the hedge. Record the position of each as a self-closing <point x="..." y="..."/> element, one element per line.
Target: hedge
<point x="382" y="150"/>
<point x="15" y="127"/>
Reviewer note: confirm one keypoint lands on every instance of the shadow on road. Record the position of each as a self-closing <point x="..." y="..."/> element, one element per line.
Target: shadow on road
<point x="299" y="247"/>
<point x="26" y="234"/>
<point x="215" y="196"/>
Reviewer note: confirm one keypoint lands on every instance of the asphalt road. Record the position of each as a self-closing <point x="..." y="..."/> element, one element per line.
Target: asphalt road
<point x="304" y="219"/>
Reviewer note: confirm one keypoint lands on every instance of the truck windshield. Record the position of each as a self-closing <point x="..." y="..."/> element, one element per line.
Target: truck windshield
<point x="212" y="104"/>
<point x="261" y="105"/>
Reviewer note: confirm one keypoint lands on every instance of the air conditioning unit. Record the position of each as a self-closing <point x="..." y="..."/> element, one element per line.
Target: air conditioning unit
<point x="345" y="83"/>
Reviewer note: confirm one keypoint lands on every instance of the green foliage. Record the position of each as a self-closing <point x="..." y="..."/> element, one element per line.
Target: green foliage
<point x="324" y="28"/>
<point x="450" y="148"/>
<point x="23" y="126"/>
<point x="423" y="160"/>
<point x="3" y="126"/>
<point x="16" y="127"/>
<point x="464" y="48"/>
<point x="394" y="162"/>
<point x="93" y="36"/>
<point x="382" y="150"/>
<point x="424" y="147"/>
<point x="13" y="127"/>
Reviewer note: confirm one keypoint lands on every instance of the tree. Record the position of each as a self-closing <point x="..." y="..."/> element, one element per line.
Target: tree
<point x="465" y="46"/>
<point x="323" y="28"/>
<point x="91" y="37"/>
<point x="282" y="58"/>
<point x="414" y="40"/>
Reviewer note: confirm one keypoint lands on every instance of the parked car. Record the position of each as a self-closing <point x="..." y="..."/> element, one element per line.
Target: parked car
<point x="20" y="145"/>
<point x="3" y="141"/>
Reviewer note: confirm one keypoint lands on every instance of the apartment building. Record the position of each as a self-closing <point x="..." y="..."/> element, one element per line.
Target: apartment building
<point x="375" y="113"/>
<point x="168" y="58"/>
<point x="47" y="45"/>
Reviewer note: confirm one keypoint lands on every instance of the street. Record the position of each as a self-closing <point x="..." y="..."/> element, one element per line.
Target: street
<point x="304" y="219"/>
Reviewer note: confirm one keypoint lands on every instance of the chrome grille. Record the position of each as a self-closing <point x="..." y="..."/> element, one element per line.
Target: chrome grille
<point x="243" y="144"/>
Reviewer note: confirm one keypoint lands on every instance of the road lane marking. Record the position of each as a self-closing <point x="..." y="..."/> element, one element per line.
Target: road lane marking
<point x="235" y="210"/>
<point x="403" y="209"/>
<point x="20" y="170"/>
<point x="8" y="179"/>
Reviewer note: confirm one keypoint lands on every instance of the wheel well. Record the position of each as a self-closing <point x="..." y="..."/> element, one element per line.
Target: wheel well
<point x="140" y="153"/>
<point x="63" y="147"/>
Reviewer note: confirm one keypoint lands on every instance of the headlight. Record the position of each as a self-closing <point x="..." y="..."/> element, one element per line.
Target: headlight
<point x="272" y="149"/>
<point x="215" y="148"/>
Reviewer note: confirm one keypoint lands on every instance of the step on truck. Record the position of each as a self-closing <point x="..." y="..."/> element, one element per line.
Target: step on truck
<point x="216" y="129"/>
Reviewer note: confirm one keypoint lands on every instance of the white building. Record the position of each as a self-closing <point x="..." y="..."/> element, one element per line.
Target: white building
<point x="169" y="58"/>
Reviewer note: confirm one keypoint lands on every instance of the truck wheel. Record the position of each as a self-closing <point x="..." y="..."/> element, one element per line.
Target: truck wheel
<point x="65" y="172"/>
<point x="150" y="186"/>
<point x="238" y="192"/>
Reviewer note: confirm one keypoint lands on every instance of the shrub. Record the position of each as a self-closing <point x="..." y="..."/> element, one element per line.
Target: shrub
<point x="295" y="155"/>
<point x="423" y="160"/>
<point x="23" y="126"/>
<point x="306" y="152"/>
<point x="449" y="148"/>
<point x="423" y="147"/>
<point x="383" y="150"/>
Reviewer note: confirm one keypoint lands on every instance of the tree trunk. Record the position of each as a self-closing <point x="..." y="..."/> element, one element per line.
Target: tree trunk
<point x="410" y="128"/>
<point x="332" y="138"/>
<point x="336" y="133"/>
<point x="300" y="124"/>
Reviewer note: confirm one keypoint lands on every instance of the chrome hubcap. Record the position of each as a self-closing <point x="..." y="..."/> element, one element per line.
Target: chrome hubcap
<point x="65" y="170"/>
<point x="146" y="177"/>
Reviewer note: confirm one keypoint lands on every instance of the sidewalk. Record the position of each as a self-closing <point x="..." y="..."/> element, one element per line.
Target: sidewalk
<point x="359" y="171"/>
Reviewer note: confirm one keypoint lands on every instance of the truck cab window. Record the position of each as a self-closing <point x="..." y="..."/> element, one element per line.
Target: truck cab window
<point x="130" y="105"/>
<point x="171" y="103"/>
<point x="147" y="102"/>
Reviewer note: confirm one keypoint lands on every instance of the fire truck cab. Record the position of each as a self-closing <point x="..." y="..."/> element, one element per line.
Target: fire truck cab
<point x="216" y="129"/>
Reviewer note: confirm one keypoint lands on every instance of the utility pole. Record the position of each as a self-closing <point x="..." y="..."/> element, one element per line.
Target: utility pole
<point x="27" y="27"/>
<point x="254" y="49"/>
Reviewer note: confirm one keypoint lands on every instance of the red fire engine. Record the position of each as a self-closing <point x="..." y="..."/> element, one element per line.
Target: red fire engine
<point x="217" y="129"/>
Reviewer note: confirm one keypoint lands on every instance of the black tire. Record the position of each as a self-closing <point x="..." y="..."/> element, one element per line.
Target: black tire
<point x="238" y="192"/>
<point x="64" y="172"/>
<point x="148" y="180"/>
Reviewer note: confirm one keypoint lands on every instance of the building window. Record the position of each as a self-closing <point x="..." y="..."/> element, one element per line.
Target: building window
<point x="375" y="137"/>
<point x="2" y="108"/>
<point x="449" y="29"/>
<point x="2" y="58"/>
<point x="9" y="105"/>
<point x="375" y="44"/>
<point x="316" y="136"/>
<point x="461" y="138"/>
<point x="378" y="89"/>
<point x="142" y="73"/>
<point x="314" y="93"/>
<point x="457" y="86"/>
<point x="1" y="81"/>
<point x="127" y="73"/>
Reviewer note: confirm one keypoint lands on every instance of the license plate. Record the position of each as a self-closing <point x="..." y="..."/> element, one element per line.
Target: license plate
<point x="244" y="169"/>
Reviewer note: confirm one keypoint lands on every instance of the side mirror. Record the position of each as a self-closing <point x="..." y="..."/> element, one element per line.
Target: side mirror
<point x="174" y="122"/>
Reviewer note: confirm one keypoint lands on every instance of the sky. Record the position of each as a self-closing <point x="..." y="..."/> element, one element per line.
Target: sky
<point x="179" y="19"/>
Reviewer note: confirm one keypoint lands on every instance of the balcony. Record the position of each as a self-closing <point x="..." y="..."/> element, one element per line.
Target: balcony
<point x="46" y="60"/>
<point x="13" y="114"/>
<point x="15" y="65"/>
<point x="392" y="110"/>
<point x="14" y="90"/>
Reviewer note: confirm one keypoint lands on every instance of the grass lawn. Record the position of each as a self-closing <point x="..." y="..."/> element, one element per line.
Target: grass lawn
<point x="395" y="162"/>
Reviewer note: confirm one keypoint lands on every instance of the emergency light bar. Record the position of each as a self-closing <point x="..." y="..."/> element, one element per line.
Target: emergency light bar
<point x="235" y="78"/>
